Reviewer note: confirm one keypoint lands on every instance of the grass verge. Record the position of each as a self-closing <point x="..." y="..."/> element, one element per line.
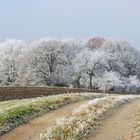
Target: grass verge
<point x="17" y="112"/>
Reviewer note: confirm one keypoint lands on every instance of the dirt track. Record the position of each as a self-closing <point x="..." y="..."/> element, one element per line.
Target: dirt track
<point x="120" y="125"/>
<point x="32" y="130"/>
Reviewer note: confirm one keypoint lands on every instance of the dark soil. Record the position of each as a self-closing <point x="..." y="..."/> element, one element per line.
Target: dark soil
<point x="13" y="93"/>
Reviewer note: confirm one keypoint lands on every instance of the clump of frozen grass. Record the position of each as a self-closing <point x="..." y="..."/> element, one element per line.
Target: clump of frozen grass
<point x="76" y="125"/>
<point x="6" y="106"/>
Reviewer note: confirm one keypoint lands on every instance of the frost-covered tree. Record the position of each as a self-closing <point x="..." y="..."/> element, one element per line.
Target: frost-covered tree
<point x="109" y="81"/>
<point x="129" y="63"/>
<point x="72" y="47"/>
<point x="120" y="57"/>
<point x="11" y="53"/>
<point x="46" y="63"/>
<point x="134" y="81"/>
<point x="87" y="63"/>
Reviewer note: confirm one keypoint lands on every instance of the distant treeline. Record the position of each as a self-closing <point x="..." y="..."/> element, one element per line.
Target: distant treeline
<point x="105" y="64"/>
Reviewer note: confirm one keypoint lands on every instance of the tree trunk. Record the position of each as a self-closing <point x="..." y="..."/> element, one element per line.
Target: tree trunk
<point x="90" y="81"/>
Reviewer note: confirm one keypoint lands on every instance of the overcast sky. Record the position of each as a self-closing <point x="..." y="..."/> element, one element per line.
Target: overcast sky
<point x="30" y="19"/>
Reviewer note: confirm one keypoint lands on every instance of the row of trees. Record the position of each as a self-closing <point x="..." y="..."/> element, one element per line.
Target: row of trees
<point x="107" y="64"/>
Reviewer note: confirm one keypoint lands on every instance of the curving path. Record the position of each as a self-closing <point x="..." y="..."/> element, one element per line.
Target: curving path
<point x="34" y="128"/>
<point x="120" y="126"/>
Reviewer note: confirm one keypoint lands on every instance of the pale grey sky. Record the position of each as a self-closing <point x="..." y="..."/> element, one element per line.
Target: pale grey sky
<point x="30" y="19"/>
